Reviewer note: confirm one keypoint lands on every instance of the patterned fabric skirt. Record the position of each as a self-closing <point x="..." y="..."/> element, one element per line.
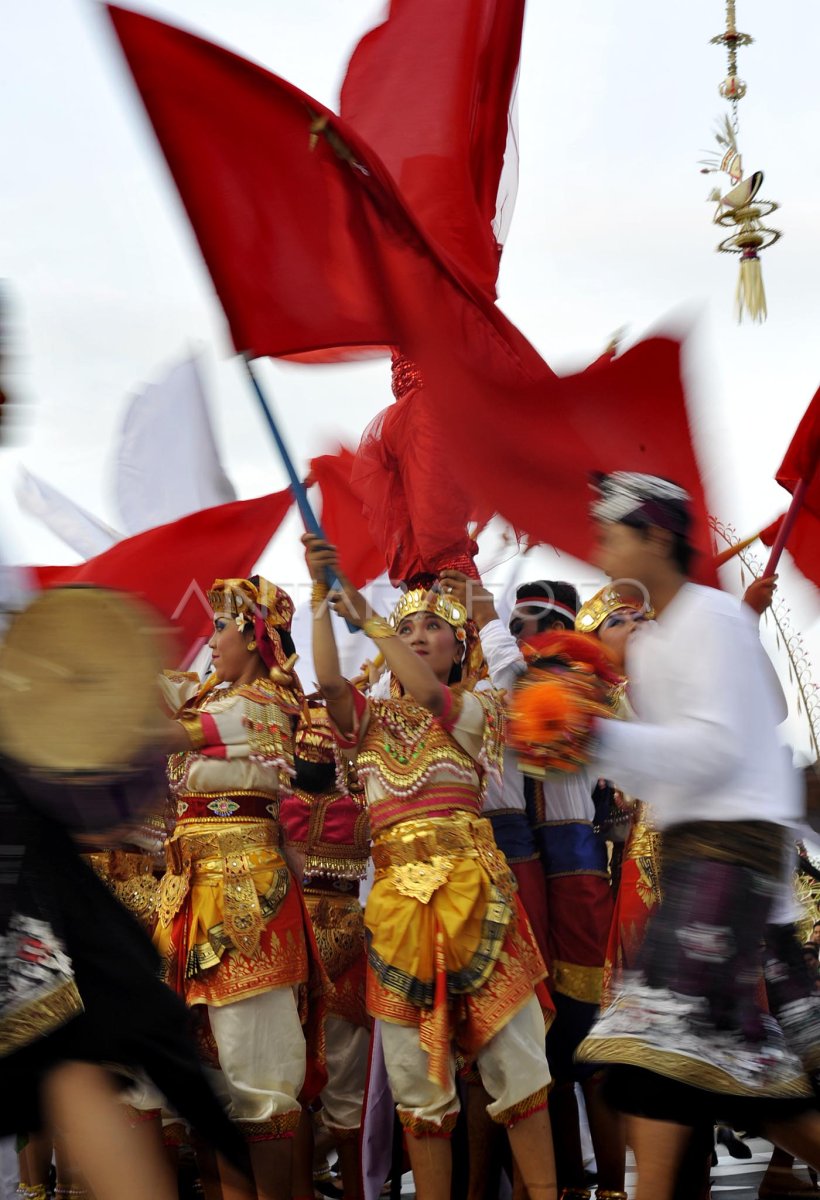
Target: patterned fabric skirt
<point x="450" y="947"/>
<point x="692" y="1014"/>
<point x="338" y="926"/>
<point x="235" y="923"/>
<point x="232" y="923"/>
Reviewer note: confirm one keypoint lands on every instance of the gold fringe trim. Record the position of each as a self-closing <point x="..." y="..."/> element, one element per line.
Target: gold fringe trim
<point x="692" y="1071"/>
<point x="523" y="1109"/>
<point x="421" y="1127"/>
<point x="39" y="1017"/>
<point x="577" y="982"/>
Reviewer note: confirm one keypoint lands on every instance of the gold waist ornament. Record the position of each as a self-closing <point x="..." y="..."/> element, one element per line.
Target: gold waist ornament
<point x="130" y="876"/>
<point x="419" y="855"/>
<point x="223" y="854"/>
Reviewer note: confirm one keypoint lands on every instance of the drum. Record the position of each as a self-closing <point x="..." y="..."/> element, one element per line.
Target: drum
<point x="81" y="725"/>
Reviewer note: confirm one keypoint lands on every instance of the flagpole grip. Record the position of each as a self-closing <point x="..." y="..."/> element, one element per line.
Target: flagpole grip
<point x="785" y="528"/>
<point x="309" y="518"/>
<point x="728" y="554"/>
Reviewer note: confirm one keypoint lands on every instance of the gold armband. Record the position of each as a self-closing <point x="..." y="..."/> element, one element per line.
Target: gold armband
<point x="377" y="628"/>
<point x="318" y="594"/>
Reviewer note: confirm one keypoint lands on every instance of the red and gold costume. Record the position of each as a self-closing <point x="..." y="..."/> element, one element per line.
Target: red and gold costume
<point x="327" y="824"/>
<point x="638" y="895"/>
<point x="452" y="961"/>
<point x="231" y="927"/>
<point x="130" y="876"/>
<point x="638" y="892"/>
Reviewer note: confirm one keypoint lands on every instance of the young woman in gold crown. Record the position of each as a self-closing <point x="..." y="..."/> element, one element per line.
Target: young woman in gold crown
<point x="231" y="926"/>
<point x="452" y="966"/>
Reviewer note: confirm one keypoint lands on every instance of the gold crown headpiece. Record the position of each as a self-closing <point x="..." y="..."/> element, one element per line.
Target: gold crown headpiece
<point x="424" y="600"/>
<point x="244" y="598"/>
<point x="603" y="604"/>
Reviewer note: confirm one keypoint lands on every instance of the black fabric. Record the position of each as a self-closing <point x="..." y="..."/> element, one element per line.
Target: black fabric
<point x="130" y="1018"/>
<point x="573" y="1021"/>
<point x="314" y="777"/>
<point x="643" y="1093"/>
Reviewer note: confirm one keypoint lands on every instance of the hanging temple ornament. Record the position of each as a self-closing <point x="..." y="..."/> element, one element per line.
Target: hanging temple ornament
<point x="738" y="209"/>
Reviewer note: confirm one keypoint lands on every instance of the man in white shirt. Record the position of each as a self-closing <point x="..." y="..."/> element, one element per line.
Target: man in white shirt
<point x="686" y="1036"/>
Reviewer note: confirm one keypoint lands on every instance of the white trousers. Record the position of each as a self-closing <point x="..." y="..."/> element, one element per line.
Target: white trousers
<point x="347" y="1050"/>
<point x="262" y="1059"/>
<point x="262" y="1054"/>
<point x="512" y="1065"/>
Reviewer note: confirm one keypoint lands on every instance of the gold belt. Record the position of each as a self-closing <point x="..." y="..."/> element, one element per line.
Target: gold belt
<point x="184" y="849"/>
<point x="223" y="853"/>
<point x="130" y="876"/>
<point x="419" y="855"/>
<point x="119" y="864"/>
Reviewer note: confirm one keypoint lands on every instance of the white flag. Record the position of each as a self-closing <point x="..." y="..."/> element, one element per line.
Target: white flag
<point x="78" y="528"/>
<point x="167" y="462"/>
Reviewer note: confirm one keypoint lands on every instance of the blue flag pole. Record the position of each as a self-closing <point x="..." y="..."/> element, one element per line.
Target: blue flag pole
<point x="309" y="518"/>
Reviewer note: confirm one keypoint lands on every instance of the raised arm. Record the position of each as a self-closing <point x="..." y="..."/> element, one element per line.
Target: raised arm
<point x="415" y="676"/>
<point x="335" y="689"/>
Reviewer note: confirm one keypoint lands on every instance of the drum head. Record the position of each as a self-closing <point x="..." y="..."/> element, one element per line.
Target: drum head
<point x="78" y="683"/>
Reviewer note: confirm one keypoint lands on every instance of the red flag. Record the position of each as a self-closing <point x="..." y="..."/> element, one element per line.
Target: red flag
<point x="802" y="457"/>
<point x="343" y="519"/>
<point x="528" y="451"/>
<point x="430" y="91"/>
<point x="171" y="567"/>
<point x="288" y="232"/>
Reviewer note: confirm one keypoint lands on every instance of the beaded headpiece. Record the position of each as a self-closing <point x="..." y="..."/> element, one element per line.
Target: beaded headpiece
<point x="425" y="600"/>
<point x="603" y="604"/>
<point x="258" y="603"/>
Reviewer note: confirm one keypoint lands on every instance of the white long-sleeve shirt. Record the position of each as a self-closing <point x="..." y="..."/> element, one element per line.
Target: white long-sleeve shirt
<point x="505" y="663"/>
<point x="567" y="797"/>
<point x="705" y="745"/>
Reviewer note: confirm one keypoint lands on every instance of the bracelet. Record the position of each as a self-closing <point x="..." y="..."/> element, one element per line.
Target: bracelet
<point x="318" y="594"/>
<point x="378" y="629"/>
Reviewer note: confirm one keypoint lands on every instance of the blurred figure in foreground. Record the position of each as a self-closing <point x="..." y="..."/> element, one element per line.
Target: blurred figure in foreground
<point x="687" y="1037"/>
<point x="80" y="741"/>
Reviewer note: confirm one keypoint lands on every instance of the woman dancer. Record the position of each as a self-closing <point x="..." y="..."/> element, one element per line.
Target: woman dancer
<point x="231" y="926"/>
<point x="451" y="964"/>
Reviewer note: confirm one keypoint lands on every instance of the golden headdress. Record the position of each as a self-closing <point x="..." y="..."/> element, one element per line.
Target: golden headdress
<point x="423" y="599"/>
<point x="261" y="604"/>
<point x="608" y="600"/>
<point x="430" y="600"/>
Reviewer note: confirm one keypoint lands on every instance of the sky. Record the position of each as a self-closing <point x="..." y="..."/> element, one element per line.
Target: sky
<point x="617" y="103"/>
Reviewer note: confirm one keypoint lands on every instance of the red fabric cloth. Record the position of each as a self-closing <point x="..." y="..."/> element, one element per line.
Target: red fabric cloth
<point x="430" y="91"/>
<point x="802" y="457"/>
<point x="343" y="518"/>
<point x="580" y="908"/>
<point x="800" y="462"/>
<point x="239" y="145"/>
<point x="171" y="567"/>
<point x="803" y="542"/>
<point x="415" y="514"/>
<point x="310" y="248"/>
<point x="532" y="892"/>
